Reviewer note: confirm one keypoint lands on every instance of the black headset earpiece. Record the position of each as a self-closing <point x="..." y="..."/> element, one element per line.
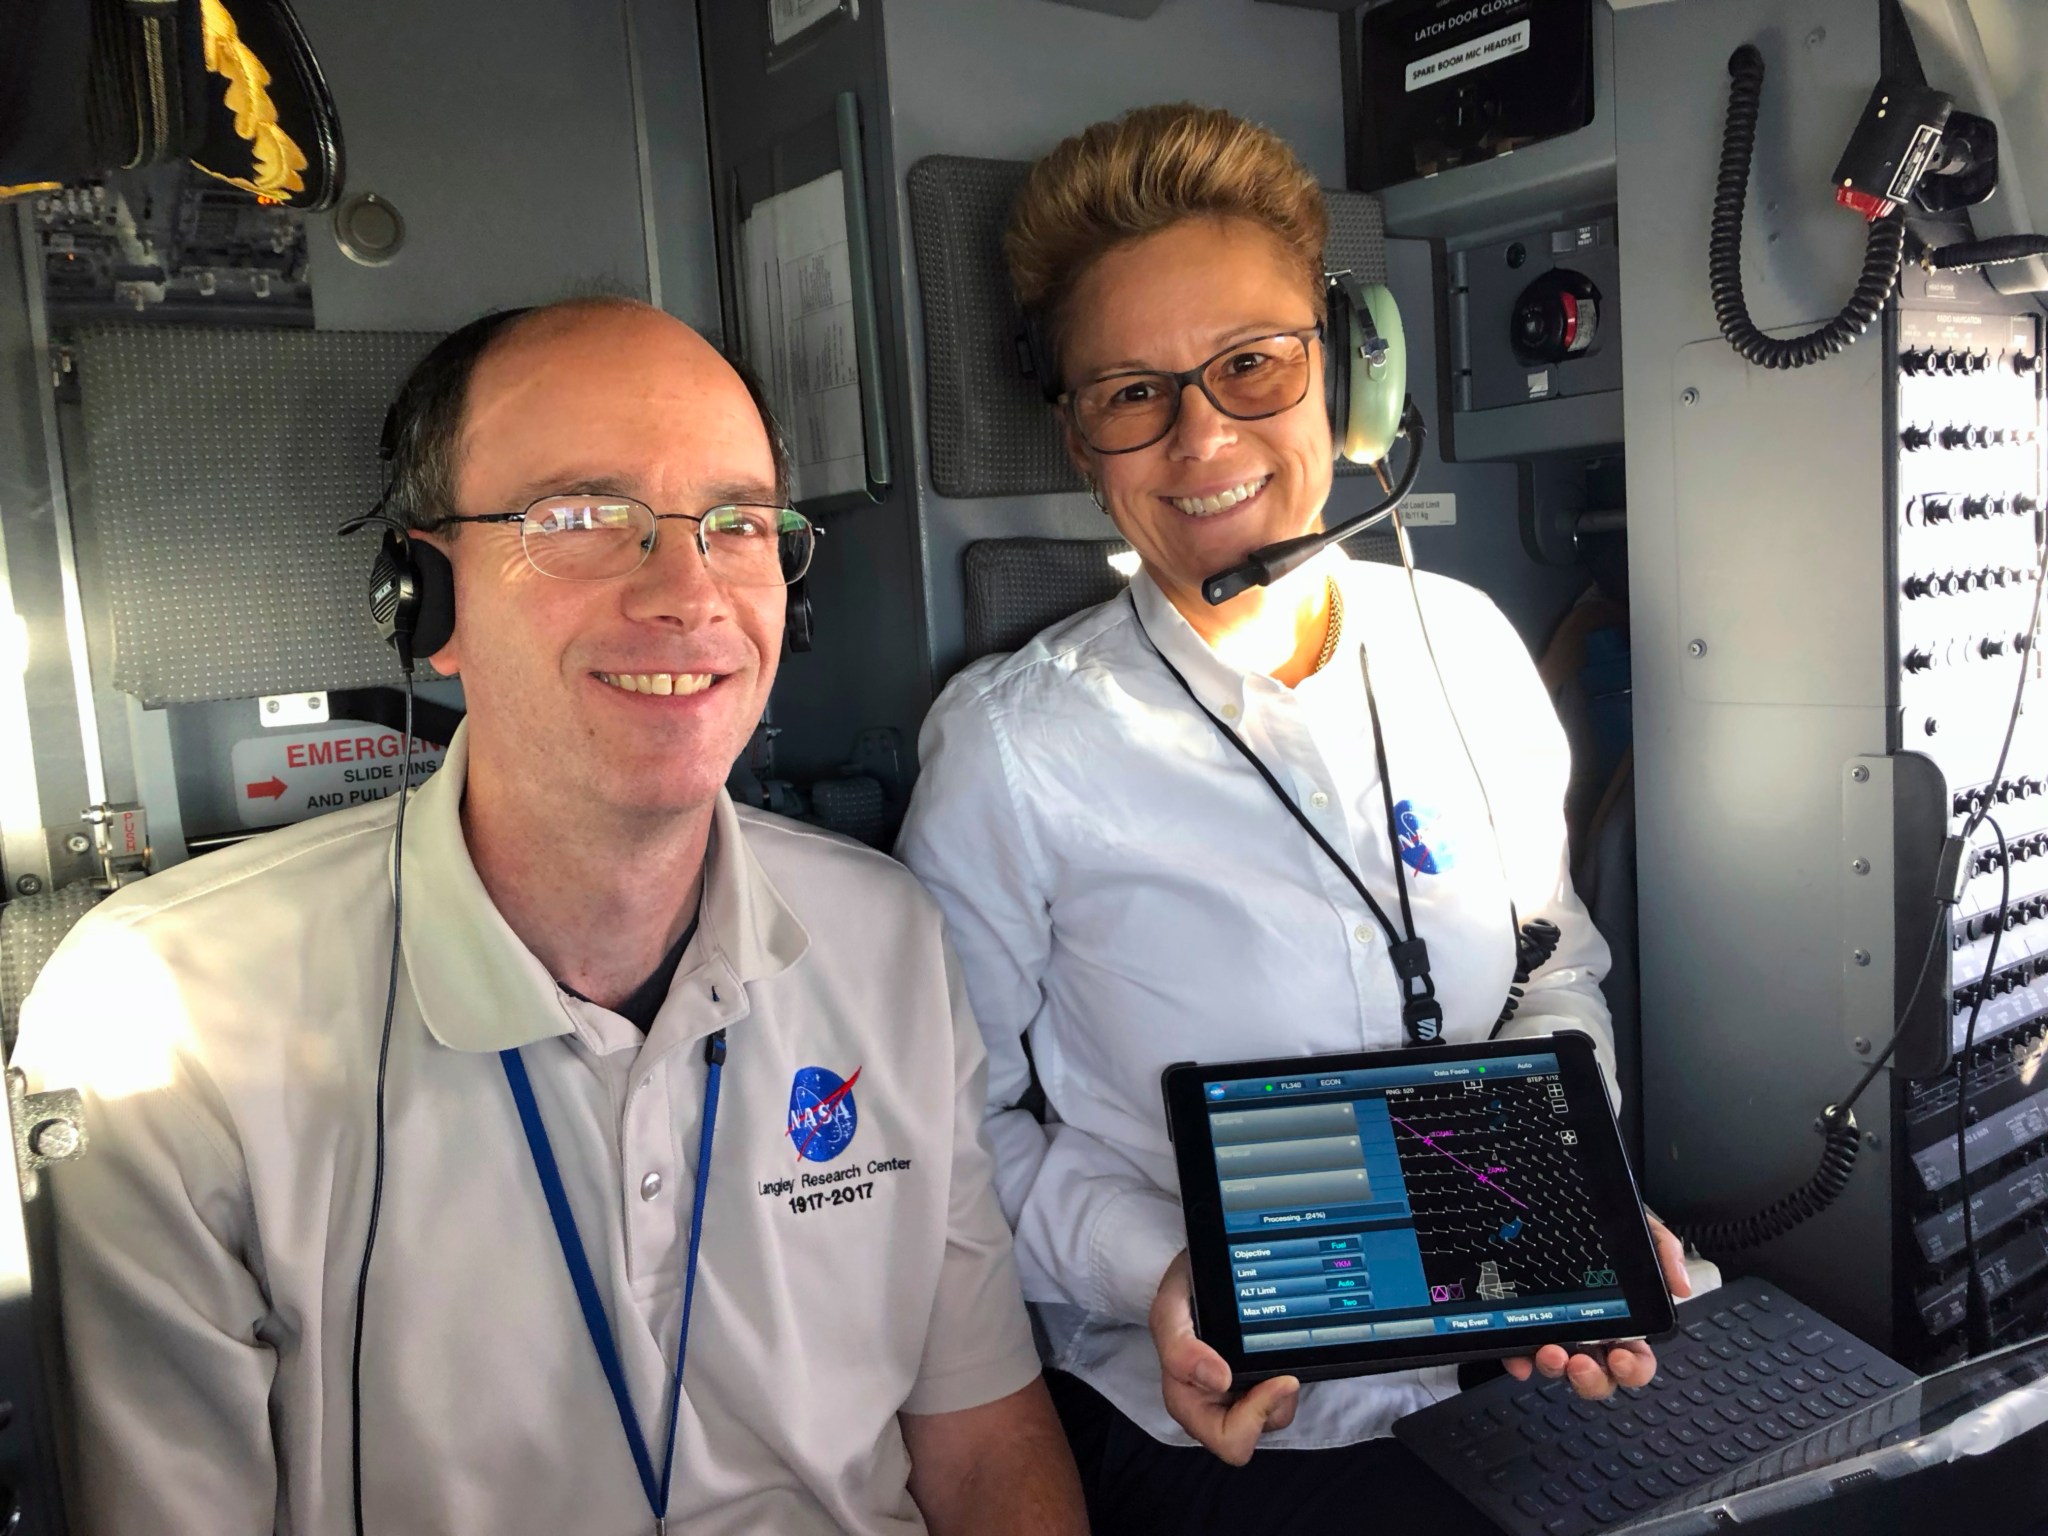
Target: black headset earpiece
<point x="412" y="585"/>
<point x="798" y="618"/>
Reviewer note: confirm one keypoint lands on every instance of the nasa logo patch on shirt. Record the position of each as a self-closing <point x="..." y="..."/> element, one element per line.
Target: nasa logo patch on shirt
<point x="822" y="1114"/>
<point x="1424" y="848"/>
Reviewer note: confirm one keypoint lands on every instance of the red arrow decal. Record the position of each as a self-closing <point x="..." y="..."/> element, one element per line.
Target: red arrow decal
<point x="267" y="789"/>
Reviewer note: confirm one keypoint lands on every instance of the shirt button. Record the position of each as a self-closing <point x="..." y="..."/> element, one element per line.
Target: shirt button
<point x="1362" y="933"/>
<point x="650" y="1186"/>
<point x="1319" y="799"/>
<point x="1230" y="711"/>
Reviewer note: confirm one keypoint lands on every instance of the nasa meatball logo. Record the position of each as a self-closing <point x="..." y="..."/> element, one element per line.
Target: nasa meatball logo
<point x="822" y="1114"/>
<point x="1424" y="847"/>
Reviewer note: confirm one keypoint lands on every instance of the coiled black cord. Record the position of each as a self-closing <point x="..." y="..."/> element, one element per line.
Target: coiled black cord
<point x="1837" y="1162"/>
<point x="1985" y="253"/>
<point x="1881" y="257"/>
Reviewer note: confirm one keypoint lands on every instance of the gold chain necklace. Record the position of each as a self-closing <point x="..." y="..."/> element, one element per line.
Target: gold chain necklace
<point x="1334" y="628"/>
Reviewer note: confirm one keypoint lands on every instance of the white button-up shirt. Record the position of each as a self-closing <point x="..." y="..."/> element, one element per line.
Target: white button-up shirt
<point x="1125" y="892"/>
<point x="223" y="1020"/>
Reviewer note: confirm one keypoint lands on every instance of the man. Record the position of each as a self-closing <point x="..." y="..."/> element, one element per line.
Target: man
<point x="584" y="912"/>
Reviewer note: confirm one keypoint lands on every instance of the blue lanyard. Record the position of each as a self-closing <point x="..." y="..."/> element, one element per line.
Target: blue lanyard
<point x="586" y="1283"/>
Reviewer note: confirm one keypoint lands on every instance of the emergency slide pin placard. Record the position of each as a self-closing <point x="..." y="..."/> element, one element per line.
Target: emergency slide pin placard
<point x="286" y="778"/>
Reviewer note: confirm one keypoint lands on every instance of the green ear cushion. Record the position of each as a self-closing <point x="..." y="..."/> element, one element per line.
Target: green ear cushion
<point x="1375" y="416"/>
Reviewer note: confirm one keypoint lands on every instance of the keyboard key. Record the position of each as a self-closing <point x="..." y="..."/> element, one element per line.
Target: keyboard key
<point x="1682" y="1472"/>
<point x="1769" y="1425"/>
<point x="1773" y="1326"/>
<point x="1674" y="1371"/>
<point x="1606" y="1511"/>
<point x="1555" y="1391"/>
<point x="1650" y="1416"/>
<point x="1571" y="1524"/>
<point x="1884" y="1375"/>
<point x="1708" y="1464"/>
<point x="1755" y="1402"/>
<point x="1717" y="1382"/>
<point x="1503" y="1415"/>
<point x="1698" y="1331"/>
<point x="1818" y="1406"/>
<point x="1730" y="1452"/>
<point x="1605" y="1439"/>
<point x="1629" y="1497"/>
<point x="1588" y="1479"/>
<point x="1796" y="1419"/>
<point x="1707" y="1423"/>
<point x="1859" y="1386"/>
<point x="1702" y="1359"/>
<point x="1559" y="1492"/>
<point x="1685" y="1434"/>
<point x="1785" y="1354"/>
<point x="1766" y="1301"/>
<point x="1819" y="1372"/>
<point x="1560" y="1421"/>
<point x="1610" y="1467"/>
<point x="1777" y="1392"/>
<point x="1575" y="1447"/>
<point x="1840" y="1396"/>
<point x="1673" y="1404"/>
<point x="1752" y="1440"/>
<point x="1515" y="1476"/>
<point x="1724" y="1350"/>
<point x="1658" y="1488"/>
<point x="1764" y="1365"/>
<point x="1635" y="1456"/>
<point x="1725" y="1321"/>
<point x="1584" y="1411"/>
<point x="1814" y="1341"/>
<point x="1526" y="1400"/>
<point x="1743" y="1310"/>
<point x="1746" y="1341"/>
<point x="1741" y="1376"/>
<point x="1536" y="1432"/>
<point x="1698" y="1395"/>
<point x="1529" y="1504"/>
<point x="1734" y="1413"/>
<point x="1550" y="1458"/>
<point x="1660" y="1445"/>
<point x="1844" y="1357"/>
<point x="1800" y="1382"/>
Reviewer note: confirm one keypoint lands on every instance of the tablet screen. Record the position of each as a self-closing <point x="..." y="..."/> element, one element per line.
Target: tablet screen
<point x="1413" y="1202"/>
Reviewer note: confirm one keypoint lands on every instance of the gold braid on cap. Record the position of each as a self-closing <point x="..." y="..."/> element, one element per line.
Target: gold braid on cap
<point x="277" y="160"/>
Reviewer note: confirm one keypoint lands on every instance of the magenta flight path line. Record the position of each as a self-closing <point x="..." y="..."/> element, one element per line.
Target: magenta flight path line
<point x="1429" y="1141"/>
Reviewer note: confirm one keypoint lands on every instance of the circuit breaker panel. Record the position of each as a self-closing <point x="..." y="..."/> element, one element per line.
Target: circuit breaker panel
<point x="1969" y="531"/>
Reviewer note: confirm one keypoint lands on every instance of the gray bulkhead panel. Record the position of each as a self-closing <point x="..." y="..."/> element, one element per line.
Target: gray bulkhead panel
<point x="1757" y="517"/>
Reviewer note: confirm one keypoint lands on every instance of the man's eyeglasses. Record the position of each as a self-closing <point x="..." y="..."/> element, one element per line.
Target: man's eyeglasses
<point x="597" y="538"/>
<point x="1246" y="381"/>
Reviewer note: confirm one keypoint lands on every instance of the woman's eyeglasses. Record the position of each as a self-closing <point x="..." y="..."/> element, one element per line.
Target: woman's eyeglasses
<point x="1246" y="381"/>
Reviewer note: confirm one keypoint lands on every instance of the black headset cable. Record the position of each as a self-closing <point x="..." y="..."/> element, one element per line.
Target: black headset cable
<point x="355" y="1373"/>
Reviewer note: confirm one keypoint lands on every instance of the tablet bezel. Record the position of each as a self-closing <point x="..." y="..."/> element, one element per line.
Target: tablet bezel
<point x="1611" y="1181"/>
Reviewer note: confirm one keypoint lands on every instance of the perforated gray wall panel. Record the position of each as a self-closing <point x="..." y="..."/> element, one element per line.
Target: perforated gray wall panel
<point x="991" y="434"/>
<point x="1017" y="587"/>
<point x="31" y="928"/>
<point x="219" y="464"/>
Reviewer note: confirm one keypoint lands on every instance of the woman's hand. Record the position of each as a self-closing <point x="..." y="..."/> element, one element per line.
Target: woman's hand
<point x="1626" y="1365"/>
<point x="1196" y="1380"/>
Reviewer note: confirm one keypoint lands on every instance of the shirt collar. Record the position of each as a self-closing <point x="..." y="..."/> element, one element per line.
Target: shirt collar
<point x="1215" y="682"/>
<point x="479" y="988"/>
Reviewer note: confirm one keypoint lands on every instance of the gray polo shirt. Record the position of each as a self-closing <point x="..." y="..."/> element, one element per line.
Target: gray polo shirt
<point x="222" y="1019"/>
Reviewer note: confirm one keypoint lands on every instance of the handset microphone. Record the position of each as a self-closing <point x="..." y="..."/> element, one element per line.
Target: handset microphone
<point x="1267" y="565"/>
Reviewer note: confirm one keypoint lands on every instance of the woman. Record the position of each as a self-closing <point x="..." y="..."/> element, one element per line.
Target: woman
<point x="1125" y="890"/>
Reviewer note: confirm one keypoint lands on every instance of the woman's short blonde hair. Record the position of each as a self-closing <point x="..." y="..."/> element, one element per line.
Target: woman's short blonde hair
<point x="1122" y="180"/>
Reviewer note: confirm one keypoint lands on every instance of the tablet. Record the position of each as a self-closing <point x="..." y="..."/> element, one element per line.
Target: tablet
<point x="1389" y="1209"/>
